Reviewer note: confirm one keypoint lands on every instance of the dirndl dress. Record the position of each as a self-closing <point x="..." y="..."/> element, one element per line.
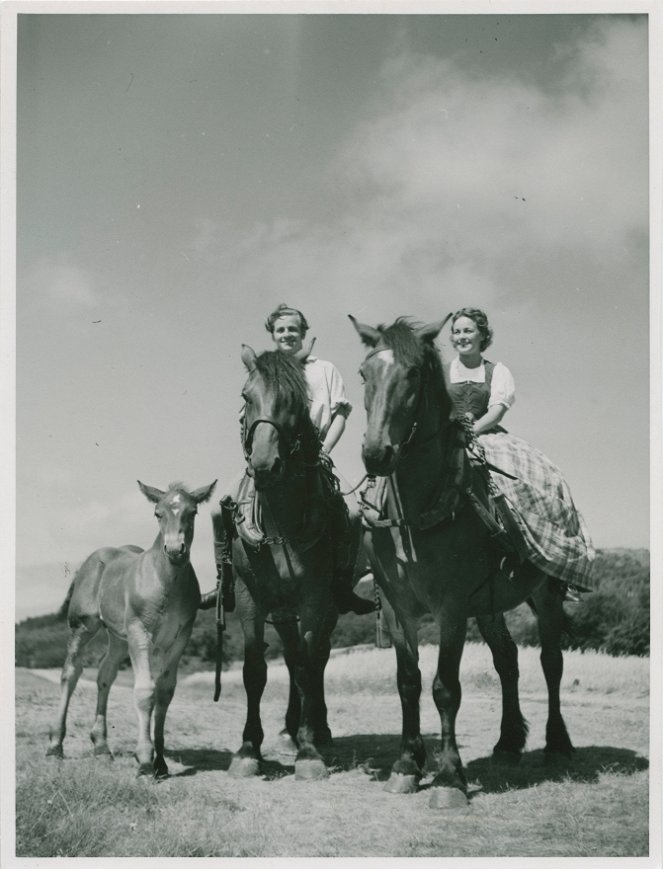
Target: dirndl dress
<point x="554" y="532"/>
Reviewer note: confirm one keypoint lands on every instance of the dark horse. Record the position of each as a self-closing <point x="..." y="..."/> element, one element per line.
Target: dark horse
<point x="282" y="558"/>
<point x="436" y="556"/>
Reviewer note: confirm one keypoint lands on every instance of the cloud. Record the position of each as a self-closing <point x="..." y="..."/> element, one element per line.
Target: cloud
<point x="58" y="281"/>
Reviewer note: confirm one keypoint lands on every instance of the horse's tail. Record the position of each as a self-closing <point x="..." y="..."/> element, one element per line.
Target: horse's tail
<point x="62" y="612"/>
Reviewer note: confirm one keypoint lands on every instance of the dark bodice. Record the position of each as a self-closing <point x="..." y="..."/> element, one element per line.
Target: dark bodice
<point x="470" y="397"/>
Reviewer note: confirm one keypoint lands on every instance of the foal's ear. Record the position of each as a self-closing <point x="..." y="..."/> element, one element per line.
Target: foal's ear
<point x="204" y="493"/>
<point x="368" y="334"/>
<point x="432" y="330"/>
<point x="248" y="358"/>
<point x="150" y="492"/>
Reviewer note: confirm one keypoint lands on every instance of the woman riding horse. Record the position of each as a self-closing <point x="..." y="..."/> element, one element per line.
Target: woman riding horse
<point x="554" y="536"/>
<point x="329" y="409"/>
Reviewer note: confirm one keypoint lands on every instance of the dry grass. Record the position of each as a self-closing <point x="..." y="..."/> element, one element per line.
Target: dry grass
<point x="596" y="807"/>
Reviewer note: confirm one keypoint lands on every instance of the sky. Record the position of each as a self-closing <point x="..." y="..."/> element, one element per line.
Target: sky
<point x="178" y="176"/>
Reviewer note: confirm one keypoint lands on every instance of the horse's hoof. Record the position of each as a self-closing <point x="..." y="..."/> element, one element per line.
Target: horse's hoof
<point x="402" y="784"/>
<point x="506" y="758"/>
<point x="160" y="770"/>
<point x="55" y="751"/>
<point x="310" y="769"/>
<point x="102" y="751"/>
<point x="244" y="767"/>
<point x="447" y="798"/>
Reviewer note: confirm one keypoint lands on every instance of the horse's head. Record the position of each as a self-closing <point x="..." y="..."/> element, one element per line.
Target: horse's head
<point x="401" y="372"/>
<point x="277" y="424"/>
<point x="176" y="511"/>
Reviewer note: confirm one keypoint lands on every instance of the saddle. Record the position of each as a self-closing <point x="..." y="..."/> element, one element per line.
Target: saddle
<point x="248" y="517"/>
<point x="465" y="481"/>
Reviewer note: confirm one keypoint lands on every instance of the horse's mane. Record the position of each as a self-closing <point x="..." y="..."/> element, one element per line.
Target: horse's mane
<point x="286" y="375"/>
<point x="410" y="349"/>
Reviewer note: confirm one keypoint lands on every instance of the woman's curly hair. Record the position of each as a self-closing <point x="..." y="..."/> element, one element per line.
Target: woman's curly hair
<point x="481" y="320"/>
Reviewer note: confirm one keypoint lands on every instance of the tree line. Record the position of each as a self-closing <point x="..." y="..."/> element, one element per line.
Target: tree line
<point x="614" y="619"/>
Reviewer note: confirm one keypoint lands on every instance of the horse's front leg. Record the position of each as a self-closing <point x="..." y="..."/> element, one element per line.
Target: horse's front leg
<point x="549" y="605"/>
<point x="164" y="691"/>
<point x="449" y="785"/>
<point x="139" y="650"/>
<point x="246" y="761"/>
<point x="406" y="772"/>
<point x="308" y="762"/>
<point x="514" y="729"/>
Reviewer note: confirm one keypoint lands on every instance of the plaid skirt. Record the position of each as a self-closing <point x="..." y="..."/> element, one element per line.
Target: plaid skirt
<point x="554" y="531"/>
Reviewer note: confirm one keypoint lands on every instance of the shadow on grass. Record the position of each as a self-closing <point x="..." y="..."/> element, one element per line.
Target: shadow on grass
<point x="376" y="753"/>
<point x="208" y="759"/>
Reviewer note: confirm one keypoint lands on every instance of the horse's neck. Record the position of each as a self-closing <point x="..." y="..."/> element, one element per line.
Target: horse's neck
<point x="422" y="463"/>
<point x="284" y="505"/>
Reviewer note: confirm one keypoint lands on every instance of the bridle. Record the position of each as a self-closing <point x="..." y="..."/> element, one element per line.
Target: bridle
<point x="408" y="443"/>
<point x="294" y="445"/>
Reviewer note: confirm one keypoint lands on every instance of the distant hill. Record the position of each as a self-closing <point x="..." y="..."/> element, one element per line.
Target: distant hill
<point x="614" y="619"/>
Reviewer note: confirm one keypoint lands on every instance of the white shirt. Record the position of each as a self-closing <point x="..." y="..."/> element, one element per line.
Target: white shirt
<point x="502" y="386"/>
<point x="326" y="393"/>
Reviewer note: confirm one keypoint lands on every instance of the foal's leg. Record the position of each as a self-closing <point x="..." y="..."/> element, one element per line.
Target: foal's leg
<point x="71" y="671"/>
<point x="550" y="615"/>
<point x="164" y="691"/>
<point x="117" y="649"/>
<point x="246" y="761"/>
<point x="513" y="731"/>
<point x="407" y="771"/>
<point x="139" y="649"/>
<point x="450" y="787"/>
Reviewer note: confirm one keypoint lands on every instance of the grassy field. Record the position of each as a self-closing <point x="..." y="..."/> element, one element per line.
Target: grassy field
<point x="595" y="807"/>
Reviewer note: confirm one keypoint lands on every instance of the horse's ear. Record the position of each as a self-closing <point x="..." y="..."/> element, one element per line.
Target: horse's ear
<point x="248" y="358"/>
<point x="303" y="354"/>
<point x="152" y="494"/>
<point x="368" y="334"/>
<point x="204" y="493"/>
<point x="432" y="330"/>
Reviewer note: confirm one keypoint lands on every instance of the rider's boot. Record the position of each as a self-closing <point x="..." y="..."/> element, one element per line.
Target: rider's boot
<point x="223" y="528"/>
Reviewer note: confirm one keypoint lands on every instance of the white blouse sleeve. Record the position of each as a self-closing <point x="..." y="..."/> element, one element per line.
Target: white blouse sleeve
<point x="337" y="399"/>
<point x="502" y="387"/>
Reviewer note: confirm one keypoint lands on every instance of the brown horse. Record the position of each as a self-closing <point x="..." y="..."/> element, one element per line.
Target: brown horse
<point x="283" y="562"/>
<point x="432" y="553"/>
<point x="147" y="601"/>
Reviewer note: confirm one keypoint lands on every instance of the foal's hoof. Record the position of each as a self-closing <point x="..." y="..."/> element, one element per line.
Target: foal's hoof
<point x="160" y="770"/>
<point x="145" y="769"/>
<point x="447" y="798"/>
<point x="102" y="751"/>
<point x="244" y="767"/>
<point x="55" y="751"/>
<point x="310" y="769"/>
<point x="397" y="783"/>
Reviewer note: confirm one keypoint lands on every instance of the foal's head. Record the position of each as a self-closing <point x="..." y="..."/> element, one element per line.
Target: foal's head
<point x="176" y="511"/>
<point x="403" y="384"/>
<point x="277" y="424"/>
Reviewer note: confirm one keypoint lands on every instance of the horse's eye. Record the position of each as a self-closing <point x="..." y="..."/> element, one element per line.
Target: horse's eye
<point x="158" y="514"/>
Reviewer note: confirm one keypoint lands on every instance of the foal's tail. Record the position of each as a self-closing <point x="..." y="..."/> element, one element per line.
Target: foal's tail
<point x="62" y="612"/>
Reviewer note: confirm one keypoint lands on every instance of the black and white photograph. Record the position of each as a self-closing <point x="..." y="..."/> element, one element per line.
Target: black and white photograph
<point x="331" y="348"/>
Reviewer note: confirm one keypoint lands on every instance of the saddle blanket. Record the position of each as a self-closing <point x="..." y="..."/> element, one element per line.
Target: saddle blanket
<point x="554" y="531"/>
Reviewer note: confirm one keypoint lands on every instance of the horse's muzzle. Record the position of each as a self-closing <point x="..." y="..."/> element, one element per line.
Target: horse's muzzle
<point x="177" y="555"/>
<point x="267" y="476"/>
<point x="379" y="460"/>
